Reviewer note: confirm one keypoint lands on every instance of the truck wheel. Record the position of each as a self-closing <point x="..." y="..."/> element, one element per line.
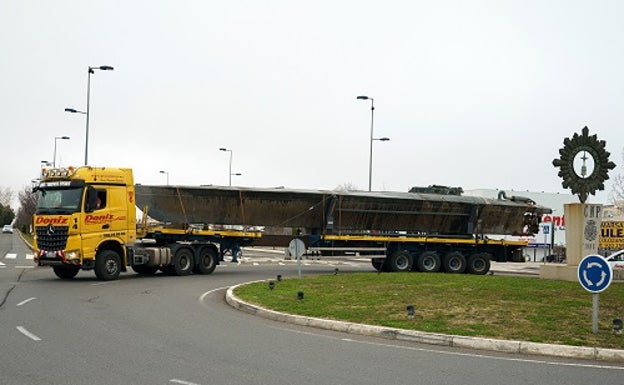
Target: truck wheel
<point x="454" y="262"/>
<point x="478" y="263"/>
<point x="107" y="265"/>
<point x="429" y="262"/>
<point x="183" y="261"/>
<point x="399" y="261"/>
<point x="207" y="261"/>
<point x="145" y="269"/>
<point x="65" y="272"/>
<point x="378" y="263"/>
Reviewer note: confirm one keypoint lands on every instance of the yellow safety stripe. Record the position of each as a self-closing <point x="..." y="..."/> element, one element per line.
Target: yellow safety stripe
<point x="217" y="233"/>
<point x="381" y="238"/>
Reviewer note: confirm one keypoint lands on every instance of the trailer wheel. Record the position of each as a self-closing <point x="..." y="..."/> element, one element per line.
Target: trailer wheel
<point x="107" y="265"/>
<point x="182" y="261"/>
<point x="378" y="263"/>
<point x="454" y="262"/>
<point x="207" y="261"/>
<point x="399" y="261"/>
<point x="478" y="263"/>
<point x="145" y="269"/>
<point x="65" y="272"/>
<point x="429" y="262"/>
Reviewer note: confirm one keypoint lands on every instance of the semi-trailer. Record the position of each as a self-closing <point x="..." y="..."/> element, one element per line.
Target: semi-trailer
<point x="86" y="219"/>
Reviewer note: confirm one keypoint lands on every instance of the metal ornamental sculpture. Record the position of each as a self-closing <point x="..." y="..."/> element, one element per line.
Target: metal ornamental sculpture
<point x="583" y="164"/>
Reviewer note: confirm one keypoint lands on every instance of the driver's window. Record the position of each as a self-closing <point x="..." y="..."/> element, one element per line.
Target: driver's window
<point x="101" y="199"/>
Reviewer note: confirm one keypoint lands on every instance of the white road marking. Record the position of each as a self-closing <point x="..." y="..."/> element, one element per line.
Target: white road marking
<point x="28" y="334"/>
<point x="183" y="382"/>
<point x="25" y="267"/>
<point x="26" y="301"/>
<point x="2" y="265"/>
<point x="30" y="256"/>
<point x="104" y="283"/>
<point x="10" y="256"/>
<point x="201" y="298"/>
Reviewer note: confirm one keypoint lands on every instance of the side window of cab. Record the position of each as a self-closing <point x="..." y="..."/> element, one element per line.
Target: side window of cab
<point x="96" y="199"/>
<point x="101" y="199"/>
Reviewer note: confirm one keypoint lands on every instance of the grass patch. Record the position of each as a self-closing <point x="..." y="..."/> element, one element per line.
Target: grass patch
<point x="512" y="308"/>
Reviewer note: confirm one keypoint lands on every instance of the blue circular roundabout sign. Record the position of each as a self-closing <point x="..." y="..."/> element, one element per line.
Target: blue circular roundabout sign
<point x="595" y="274"/>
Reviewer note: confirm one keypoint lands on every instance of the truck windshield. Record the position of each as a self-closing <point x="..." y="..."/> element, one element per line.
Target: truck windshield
<point x="64" y="200"/>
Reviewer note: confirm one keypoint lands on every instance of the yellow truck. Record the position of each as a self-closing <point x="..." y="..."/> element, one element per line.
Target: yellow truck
<point x="86" y="219"/>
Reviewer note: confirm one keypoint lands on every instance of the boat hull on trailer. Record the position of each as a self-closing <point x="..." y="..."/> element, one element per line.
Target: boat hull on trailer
<point x="336" y="211"/>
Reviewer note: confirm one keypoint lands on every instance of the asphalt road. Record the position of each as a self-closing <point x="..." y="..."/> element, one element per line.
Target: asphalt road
<point x="179" y="330"/>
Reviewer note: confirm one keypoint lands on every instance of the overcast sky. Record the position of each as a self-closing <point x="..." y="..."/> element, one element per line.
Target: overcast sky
<point x="477" y="94"/>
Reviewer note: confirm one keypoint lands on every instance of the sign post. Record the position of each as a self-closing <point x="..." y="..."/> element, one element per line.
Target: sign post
<point x="296" y="247"/>
<point x="595" y="275"/>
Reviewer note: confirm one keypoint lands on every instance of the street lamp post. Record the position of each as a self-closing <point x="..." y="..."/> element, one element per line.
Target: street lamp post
<point x="370" y="157"/>
<point x="91" y="70"/>
<point x="230" y="169"/>
<point x="166" y="173"/>
<point x="55" y="139"/>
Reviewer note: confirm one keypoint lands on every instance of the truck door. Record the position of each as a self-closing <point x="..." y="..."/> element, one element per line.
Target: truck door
<point x="105" y="218"/>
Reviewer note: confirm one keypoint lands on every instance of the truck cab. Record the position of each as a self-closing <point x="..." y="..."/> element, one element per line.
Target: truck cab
<point x="84" y="219"/>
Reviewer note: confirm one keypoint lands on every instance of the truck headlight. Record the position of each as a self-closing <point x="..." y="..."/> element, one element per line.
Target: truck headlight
<point x="74" y="254"/>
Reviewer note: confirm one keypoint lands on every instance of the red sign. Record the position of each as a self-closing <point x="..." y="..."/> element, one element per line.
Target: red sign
<point x="60" y="220"/>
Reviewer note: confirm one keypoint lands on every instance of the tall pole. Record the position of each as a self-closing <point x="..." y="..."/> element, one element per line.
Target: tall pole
<point x="231" y="153"/>
<point x="91" y="70"/>
<point x="370" y="158"/>
<point x="54" y="156"/>
<point x="167" y="174"/>
<point x="230" y="168"/>
<point x="86" y="162"/>
<point x="55" y="139"/>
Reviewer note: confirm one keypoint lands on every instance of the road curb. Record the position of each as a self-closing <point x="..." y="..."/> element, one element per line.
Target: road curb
<point x="504" y="346"/>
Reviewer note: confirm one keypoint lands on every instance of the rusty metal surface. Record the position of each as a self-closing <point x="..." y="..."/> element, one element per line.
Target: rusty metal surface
<point x="352" y="211"/>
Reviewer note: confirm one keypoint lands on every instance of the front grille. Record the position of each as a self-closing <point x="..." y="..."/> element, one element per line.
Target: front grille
<point x="54" y="239"/>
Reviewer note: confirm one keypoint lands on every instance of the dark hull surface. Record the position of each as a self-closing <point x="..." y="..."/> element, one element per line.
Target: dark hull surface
<point x="333" y="211"/>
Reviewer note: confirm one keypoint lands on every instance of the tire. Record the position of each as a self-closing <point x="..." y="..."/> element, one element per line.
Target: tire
<point x="107" y="265"/>
<point x="429" y="262"/>
<point x="182" y="262"/>
<point x="65" y="272"/>
<point x="145" y="269"/>
<point x="378" y="263"/>
<point x="454" y="262"/>
<point x="478" y="263"/>
<point x="399" y="261"/>
<point x="207" y="261"/>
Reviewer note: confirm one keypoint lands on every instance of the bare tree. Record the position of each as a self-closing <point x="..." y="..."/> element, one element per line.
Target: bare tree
<point x="617" y="192"/>
<point x="347" y="186"/>
<point x="28" y="205"/>
<point x="6" y="196"/>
